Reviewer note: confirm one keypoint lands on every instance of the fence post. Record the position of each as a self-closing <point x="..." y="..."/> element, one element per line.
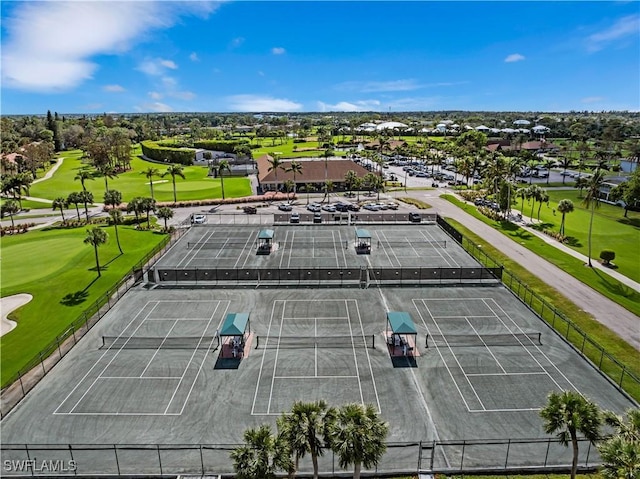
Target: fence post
<point x="21" y="385"/>
<point x="419" y="456"/>
<point x="506" y="459"/>
<point x="433" y="456"/>
<point x="624" y="370"/>
<point x="58" y="344"/>
<point x="42" y="363"/>
<point x="75" y="470"/>
<point x="546" y="455"/>
<point x="201" y="460"/>
<point x="159" y="458"/>
<point x="464" y="442"/>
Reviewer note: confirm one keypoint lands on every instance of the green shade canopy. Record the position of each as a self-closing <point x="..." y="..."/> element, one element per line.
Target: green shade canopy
<point x="401" y="322"/>
<point x="234" y="324"/>
<point x="363" y="234"/>
<point x="265" y="234"/>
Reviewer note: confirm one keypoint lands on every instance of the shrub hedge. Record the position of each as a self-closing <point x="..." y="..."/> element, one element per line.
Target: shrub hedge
<point x="166" y="154"/>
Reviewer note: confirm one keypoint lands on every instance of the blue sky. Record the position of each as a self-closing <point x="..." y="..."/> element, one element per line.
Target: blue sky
<point x="152" y="56"/>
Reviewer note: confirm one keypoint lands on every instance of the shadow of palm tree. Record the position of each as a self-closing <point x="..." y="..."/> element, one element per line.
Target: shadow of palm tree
<point x="573" y="241"/>
<point x="111" y="261"/>
<point x="617" y="288"/>
<point x="635" y="222"/>
<point x="74" y="299"/>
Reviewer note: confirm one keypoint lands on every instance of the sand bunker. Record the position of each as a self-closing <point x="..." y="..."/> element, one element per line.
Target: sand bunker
<point x="8" y="304"/>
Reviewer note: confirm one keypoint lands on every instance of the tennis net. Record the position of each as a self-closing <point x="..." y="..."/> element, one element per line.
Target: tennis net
<point x="324" y="244"/>
<point x="301" y="342"/>
<point x="220" y="244"/>
<point x="502" y="339"/>
<point x="171" y="342"/>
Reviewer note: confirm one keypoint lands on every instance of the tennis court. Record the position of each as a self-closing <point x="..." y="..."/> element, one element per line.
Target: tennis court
<point x="320" y="246"/>
<point x="485" y="366"/>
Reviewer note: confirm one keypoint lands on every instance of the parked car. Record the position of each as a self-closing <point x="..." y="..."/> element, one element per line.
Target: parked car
<point x="285" y="207"/>
<point x="317" y="217"/>
<point x="329" y="208"/>
<point x="421" y="174"/>
<point x="294" y="218"/>
<point x="314" y="207"/>
<point x="392" y="205"/>
<point x="371" y="207"/>
<point x="198" y="219"/>
<point x="415" y="217"/>
<point x="250" y="210"/>
<point x="342" y="207"/>
<point x="352" y="207"/>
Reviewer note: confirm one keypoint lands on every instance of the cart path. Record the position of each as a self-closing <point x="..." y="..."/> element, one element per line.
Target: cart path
<point x="618" y="319"/>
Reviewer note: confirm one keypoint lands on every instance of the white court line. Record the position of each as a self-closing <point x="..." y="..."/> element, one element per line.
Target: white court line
<point x="344" y="256"/>
<point x="315" y="346"/>
<point x="255" y="396"/>
<point x="552" y="363"/>
<point x="109" y="363"/>
<point x="275" y="362"/>
<point x="382" y="242"/>
<point x="175" y="322"/>
<point x="446" y="365"/>
<point x="485" y="345"/>
<point x="206" y="354"/>
<point x="195" y="350"/>
<point x="309" y="317"/>
<point x="194" y="252"/>
<point x="251" y="240"/>
<point x="384" y="249"/>
<point x="458" y="316"/>
<point x="176" y="319"/>
<point x="523" y="409"/>
<point x="508" y="374"/>
<point x="315" y="377"/>
<point x="293" y="242"/>
<point x="115" y="414"/>
<point x="355" y="356"/>
<point x="373" y="379"/>
<point x="138" y="377"/>
<point x="284" y="253"/>
<point x="335" y="250"/>
<point x="437" y="250"/>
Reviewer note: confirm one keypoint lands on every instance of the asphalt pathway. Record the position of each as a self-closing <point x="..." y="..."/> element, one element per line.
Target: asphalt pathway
<point x="615" y="317"/>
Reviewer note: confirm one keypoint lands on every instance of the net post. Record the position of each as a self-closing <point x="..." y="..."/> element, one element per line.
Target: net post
<point x="257" y="341"/>
<point x="539" y="338"/>
<point x="102" y="347"/>
<point x="426" y="341"/>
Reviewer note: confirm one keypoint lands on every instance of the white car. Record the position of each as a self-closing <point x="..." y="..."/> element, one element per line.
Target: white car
<point x="329" y="208"/>
<point x="199" y="219"/>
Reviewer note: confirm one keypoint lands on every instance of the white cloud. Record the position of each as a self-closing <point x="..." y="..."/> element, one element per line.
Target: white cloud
<point x="194" y="57"/>
<point x="364" y="105"/>
<point x="169" y="64"/>
<point x="169" y="82"/>
<point x="155" y="95"/>
<point x="261" y="73"/>
<point x="236" y="42"/>
<point x="155" y="107"/>
<point x="623" y="28"/>
<point x="261" y="103"/>
<point x="414" y="103"/>
<point x="380" y="86"/>
<point x="183" y="95"/>
<point x="593" y="99"/>
<point x="278" y="51"/>
<point x="113" y="88"/>
<point x="514" y="57"/>
<point x="39" y="55"/>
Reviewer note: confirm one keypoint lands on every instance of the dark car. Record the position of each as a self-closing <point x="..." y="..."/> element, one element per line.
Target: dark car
<point x="351" y="207"/>
<point x="342" y="207"/>
<point x="415" y="217"/>
<point x="250" y="210"/>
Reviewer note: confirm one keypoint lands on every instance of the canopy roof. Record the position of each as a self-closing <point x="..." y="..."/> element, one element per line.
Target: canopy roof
<point x="401" y="322"/>
<point x="363" y="234"/>
<point x="265" y="234"/>
<point x="235" y="324"/>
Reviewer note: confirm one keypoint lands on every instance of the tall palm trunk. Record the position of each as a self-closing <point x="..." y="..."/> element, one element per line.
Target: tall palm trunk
<point x="562" y="224"/>
<point x="86" y="210"/>
<point x="95" y="249"/>
<point x="173" y="180"/>
<point x="356" y="470"/>
<point x="115" y="227"/>
<point x="593" y="205"/>
<point x="574" y="461"/>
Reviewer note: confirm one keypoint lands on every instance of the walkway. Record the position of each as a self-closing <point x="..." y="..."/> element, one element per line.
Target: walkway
<point x="618" y="319"/>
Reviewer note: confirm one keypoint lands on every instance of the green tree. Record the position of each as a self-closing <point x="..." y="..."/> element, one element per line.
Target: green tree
<point x="84" y="175"/>
<point x="74" y="199"/>
<point x="350" y="180"/>
<point x="308" y="188"/>
<point x="175" y="170"/>
<point x="592" y="201"/>
<point x="150" y="173"/>
<point x="86" y="197"/>
<point x="261" y="456"/>
<point x="115" y="218"/>
<point x="542" y="198"/>
<point x="289" y="186"/>
<point x="107" y="171"/>
<point x="305" y="429"/>
<point x="96" y="237"/>
<point x="135" y="206"/>
<point x="357" y="435"/>
<point x="223" y="165"/>
<point x="10" y="208"/>
<point x="328" y="189"/>
<point x="60" y="203"/>
<point x="275" y="164"/>
<point x="296" y="168"/>
<point x="148" y="205"/>
<point x="165" y="213"/>
<point x="565" y="162"/>
<point x="564" y="207"/>
<point x="621" y="453"/>
<point x="629" y="191"/>
<point x="567" y="414"/>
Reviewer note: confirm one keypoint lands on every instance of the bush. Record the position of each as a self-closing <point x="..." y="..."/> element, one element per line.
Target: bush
<point x="607" y="256"/>
<point x="228" y="146"/>
<point x="165" y="154"/>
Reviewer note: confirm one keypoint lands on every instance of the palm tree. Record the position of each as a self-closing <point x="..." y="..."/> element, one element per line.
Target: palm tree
<point x="326" y="154"/>
<point x="150" y="173"/>
<point x="305" y="430"/>
<point x="542" y="198"/>
<point x="165" y="213"/>
<point x="107" y="171"/>
<point x="620" y="458"/>
<point x="569" y="413"/>
<point x="86" y="197"/>
<point x="564" y="207"/>
<point x="591" y="200"/>
<point x="74" y="199"/>
<point x="565" y="162"/>
<point x="328" y="188"/>
<point x="82" y="176"/>
<point x="296" y="168"/>
<point x="275" y="164"/>
<point x="115" y="218"/>
<point x="628" y="428"/>
<point x="10" y="208"/>
<point x="113" y="198"/>
<point x="350" y="180"/>
<point x="148" y="205"/>
<point x="135" y="206"/>
<point x="96" y="237"/>
<point x="289" y="186"/>
<point x="223" y="165"/>
<point x="357" y="435"/>
<point x="524" y="194"/>
<point x="60" y="203"/>
<point x="261" y="455"/>
<point x="174" y="170"/>
<point x="308" y="187"/>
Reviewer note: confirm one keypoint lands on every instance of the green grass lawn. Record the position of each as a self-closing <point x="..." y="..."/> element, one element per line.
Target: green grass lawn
<point x="610" y="229"/>
<point x="601" y="282"/>
<point x="30" y="205"/>
<point x="58" y="270"/>
<point x="286" y="150"/>
<point x="196" y="185"/>
<point x="607" y="339"/>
